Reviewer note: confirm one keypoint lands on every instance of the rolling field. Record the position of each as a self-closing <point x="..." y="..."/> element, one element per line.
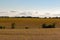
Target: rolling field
<point x="30" y="34"/>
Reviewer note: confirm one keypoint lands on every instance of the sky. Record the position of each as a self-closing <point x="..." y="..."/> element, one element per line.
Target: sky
<point x="29" y="7"/>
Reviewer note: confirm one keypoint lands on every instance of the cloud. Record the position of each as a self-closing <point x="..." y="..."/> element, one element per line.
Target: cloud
<point x="33" y="13"/>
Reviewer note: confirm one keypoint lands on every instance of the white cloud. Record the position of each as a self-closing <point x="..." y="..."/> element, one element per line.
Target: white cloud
<point x="36" y="13"/>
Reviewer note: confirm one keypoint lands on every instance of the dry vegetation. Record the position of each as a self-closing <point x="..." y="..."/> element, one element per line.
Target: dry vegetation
<point x="30" y="34"/>
<point x="35" y="32"/>
<point x="21" y="23"/>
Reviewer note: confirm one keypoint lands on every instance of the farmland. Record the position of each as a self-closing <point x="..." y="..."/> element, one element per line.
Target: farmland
<point x="29" y="29"/>
<point x="31" y="23"/>
<point x="30" y="34"/>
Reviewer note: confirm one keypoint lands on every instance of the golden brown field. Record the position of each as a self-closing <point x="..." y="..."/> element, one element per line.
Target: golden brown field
<point x="35" y="31"/>
<point x="30" y="34"/>
<point x="31" y="23"/>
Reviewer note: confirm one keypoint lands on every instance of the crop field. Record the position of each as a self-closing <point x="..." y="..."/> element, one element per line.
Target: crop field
<point x="30" y="34"/>
<point x="34" y="31"/>
<point x="31" y="23"/>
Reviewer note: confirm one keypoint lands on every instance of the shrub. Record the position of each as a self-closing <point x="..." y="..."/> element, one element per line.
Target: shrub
<point x="26" y="27"/>
<point x="48" y="26"/>
<point x="13" y="25"/>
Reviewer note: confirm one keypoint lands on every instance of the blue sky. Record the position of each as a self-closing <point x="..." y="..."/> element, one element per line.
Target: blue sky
<point x="29" y="4"/>
<point x="42" y="6"/>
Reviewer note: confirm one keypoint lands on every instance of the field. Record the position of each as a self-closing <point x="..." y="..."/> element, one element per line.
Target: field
<point x="31" y="23"/>
<point x="34" y="31"/>
<point x="30" y="34"/>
